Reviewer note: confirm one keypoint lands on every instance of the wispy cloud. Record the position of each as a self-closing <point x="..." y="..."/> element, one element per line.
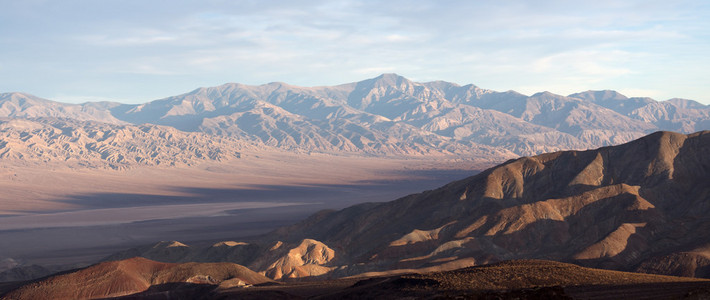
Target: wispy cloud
<point x="142" y="38"/>
<point x="651" y="93"/>
<point x="374" y="70"/>
<point x="585" y="64"/>
<point x="545" y="45"/>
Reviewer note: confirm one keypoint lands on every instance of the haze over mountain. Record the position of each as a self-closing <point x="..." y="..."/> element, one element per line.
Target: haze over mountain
<point x="393" y="116"/>
<point x="637" y="206"/>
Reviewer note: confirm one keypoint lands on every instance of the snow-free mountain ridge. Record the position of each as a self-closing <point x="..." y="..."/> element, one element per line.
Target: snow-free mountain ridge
<point x="392" y="116"/>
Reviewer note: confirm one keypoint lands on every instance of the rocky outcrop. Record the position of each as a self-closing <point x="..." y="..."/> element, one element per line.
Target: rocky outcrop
<point x="275" y="260"/>
<point x="308" y="258"/>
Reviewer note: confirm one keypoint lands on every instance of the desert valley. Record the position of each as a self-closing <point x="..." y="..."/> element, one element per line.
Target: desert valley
<point x="384" y="187"/>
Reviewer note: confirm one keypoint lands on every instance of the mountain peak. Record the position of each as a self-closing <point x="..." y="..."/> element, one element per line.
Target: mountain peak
<point x="277" y="84"/>
<point x="389" y="76"/>
<point x="546" y="94"/>
<point x="388" y="79"/>
<point x="685" y="103"/>
<point x="599" y="96"/>
<point x="15" y="96"/>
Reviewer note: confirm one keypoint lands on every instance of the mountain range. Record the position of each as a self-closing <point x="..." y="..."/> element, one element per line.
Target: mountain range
<point x="624" y="195"/>
<point x="388" y="116"/>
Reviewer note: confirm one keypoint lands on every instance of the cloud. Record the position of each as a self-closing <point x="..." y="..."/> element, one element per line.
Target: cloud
<point x="138" y="38"/>
<point x="506" y="45"/>
<point x="651" y="93"/>
<point x="83" y="98"/>
<point x="589" y="64"/>
<point x="147" y="69"/>
<point x="374" y="70"/>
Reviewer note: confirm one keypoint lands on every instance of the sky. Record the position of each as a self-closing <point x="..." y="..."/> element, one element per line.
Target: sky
<point x="137" y="51"/>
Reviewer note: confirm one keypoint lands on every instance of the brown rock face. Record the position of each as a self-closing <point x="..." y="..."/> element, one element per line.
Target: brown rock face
<point x="638" y="204"/>
<point x="275" y="260"/>
<point x="305" y="259"/>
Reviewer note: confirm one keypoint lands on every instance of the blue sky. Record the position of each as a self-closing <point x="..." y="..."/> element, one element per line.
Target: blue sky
<point x="137" y="51"/>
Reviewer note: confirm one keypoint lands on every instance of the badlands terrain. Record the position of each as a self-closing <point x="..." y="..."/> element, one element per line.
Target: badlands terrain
<point x="292" y="182"/>
<point x="639" y="206"/>
<point x="139" y="278"/>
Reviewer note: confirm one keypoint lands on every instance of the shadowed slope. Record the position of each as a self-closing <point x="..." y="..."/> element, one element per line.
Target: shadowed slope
<point x="523" y="279"/>
<point x="613" y="207"/>
<point x="638" y="204"/>
<point x="276" y="260"/>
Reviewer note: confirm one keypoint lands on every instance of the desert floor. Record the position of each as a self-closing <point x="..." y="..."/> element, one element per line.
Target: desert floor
<point x="73" y="215"/>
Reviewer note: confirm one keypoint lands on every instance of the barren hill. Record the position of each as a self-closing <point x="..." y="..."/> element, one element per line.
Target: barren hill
<point x="131" y="276"/>
<point x="275" y="260"/>
<point x="522" y="279"/>
<point x="637" y="205"/>
<point x="525" y="279"/>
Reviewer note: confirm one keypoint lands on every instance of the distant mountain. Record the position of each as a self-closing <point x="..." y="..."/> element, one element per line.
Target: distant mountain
<point x="679" y="115"/>
<point x="95" y="144"/>
<point x="393" y="116"/>
<point x="20" y="105"/>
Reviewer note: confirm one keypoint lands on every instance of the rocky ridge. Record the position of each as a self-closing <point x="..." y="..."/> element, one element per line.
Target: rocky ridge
<point x="622" y="207"/>
<point x="98" y="144"/>
<point x="392" y="116"/>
